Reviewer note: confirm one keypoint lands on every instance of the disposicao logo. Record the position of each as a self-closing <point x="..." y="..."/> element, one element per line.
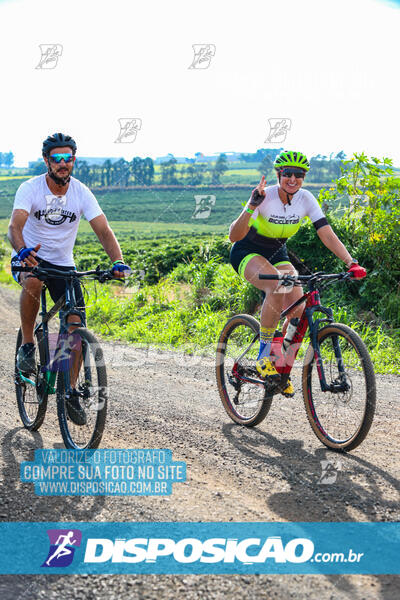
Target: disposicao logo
<point x="63" y="543"/>
<point x="190" y="550"/>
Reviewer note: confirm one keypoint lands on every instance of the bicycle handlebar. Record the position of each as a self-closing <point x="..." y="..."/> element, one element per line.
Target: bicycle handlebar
<point x="312" y="280"/>
<point x="318" y="275"/>
<point x="44" y="273"/>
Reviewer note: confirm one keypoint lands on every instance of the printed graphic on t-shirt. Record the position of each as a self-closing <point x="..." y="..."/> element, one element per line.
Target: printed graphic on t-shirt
<point x="55" y="212"/>
<point x="289" y="219"/>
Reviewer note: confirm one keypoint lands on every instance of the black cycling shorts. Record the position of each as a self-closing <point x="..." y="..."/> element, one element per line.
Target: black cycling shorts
<point x="243" y="251"/>
<point x="56" y="287"/>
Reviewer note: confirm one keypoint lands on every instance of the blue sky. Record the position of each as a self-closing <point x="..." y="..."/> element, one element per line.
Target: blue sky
<point x="331" y="68"/>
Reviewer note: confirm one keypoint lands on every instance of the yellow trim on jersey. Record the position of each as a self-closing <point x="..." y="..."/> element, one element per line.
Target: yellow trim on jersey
<point x="274" y="230"/>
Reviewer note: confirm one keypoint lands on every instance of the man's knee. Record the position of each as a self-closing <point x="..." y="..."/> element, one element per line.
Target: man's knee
<point x="32" y="287"/>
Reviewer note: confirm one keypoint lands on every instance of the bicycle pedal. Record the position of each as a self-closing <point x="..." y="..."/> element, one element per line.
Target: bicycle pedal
<point x="285" y="384"/>
<point x="271" y="383"/>
<point x="273" y="379"/>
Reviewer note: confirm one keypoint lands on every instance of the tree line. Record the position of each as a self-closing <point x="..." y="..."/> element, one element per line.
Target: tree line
<point x="141" y="171"/>
<point x="6" y="159"/>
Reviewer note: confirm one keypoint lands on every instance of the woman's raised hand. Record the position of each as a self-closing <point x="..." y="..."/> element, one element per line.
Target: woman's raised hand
<point x="258" y="194"/>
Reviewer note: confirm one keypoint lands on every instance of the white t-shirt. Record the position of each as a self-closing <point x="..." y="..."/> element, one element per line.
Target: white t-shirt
<point x="53" y="220"/>
<point x="274" y="219"/>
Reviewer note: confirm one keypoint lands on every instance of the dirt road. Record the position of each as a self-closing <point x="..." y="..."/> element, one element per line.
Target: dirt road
<point x="269" y="473"/>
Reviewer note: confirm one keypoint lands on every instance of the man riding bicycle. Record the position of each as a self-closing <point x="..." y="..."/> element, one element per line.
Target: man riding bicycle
<point x="271" y="216"/>
<point x="42" y="230"/>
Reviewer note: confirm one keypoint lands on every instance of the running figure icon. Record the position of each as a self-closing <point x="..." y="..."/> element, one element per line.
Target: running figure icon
<point x="63" y="544"/>
<point x="62" y="549"/>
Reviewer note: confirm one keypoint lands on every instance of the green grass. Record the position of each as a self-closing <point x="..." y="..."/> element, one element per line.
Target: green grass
<point x="176" y="314"/>
<point x="158" y="234"/>
<point x="186" y="309"/>
<point x="7" y="279"/>
<point x="245" y="176"/>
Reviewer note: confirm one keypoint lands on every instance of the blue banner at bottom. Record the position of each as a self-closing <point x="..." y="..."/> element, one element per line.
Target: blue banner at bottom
<point x="200" y="548"/>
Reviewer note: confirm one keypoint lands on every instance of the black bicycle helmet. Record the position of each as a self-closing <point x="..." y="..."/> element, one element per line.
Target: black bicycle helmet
<point x="58" y="140"/>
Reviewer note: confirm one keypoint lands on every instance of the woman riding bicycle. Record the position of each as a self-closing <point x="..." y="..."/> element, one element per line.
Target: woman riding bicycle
<point x="271" y="216"/>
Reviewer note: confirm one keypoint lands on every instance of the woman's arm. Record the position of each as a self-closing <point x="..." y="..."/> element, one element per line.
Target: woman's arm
<point x="240" y="227"/>
<point x="329" y="238"/>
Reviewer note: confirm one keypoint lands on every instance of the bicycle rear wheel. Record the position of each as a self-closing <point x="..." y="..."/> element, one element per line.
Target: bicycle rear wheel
<point x="90" y="381"/>
<point x="32" y="391"/>
<point x="246" y="403"/>
<point x="342" y="417"/>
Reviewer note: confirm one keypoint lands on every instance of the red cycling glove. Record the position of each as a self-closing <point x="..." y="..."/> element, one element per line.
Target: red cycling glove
<point x="357" y="272"/>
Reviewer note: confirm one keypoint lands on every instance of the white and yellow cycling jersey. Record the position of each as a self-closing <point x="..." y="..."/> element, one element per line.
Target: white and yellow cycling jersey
<point x="273" y="219"/>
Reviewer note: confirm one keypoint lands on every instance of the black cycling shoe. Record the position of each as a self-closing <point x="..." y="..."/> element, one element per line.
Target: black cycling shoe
<point x="74" y="410"/>
<point x="26" y="359"/>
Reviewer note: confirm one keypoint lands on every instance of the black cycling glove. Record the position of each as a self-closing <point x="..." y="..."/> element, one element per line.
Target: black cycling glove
<point x="256" y="197"/>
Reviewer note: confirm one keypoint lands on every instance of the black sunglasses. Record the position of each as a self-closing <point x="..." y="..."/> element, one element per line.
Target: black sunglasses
<point x="298" y="173"/>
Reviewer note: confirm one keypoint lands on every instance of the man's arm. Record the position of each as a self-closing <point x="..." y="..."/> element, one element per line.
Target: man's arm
<point x="17" y="222"/>
<point x="106" y="237"/>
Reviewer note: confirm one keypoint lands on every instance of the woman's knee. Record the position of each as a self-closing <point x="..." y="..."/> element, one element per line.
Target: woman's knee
<point x="254" y="268"/>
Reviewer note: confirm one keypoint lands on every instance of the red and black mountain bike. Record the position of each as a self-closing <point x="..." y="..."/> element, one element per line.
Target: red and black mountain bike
<point x="338" y="379"/>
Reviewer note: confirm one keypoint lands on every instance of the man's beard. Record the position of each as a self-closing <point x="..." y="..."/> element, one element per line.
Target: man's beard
<point x="58" y="180"/>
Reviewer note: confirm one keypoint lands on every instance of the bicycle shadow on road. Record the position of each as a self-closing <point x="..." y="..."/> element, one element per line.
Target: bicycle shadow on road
<point x="353" y="490"/>
<point x="18" y="501"/>
<point x="324" y="485"/>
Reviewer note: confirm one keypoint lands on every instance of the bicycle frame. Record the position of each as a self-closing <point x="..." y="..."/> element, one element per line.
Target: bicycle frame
<point x="284" y="363"/>
<point x="64" y="306"/>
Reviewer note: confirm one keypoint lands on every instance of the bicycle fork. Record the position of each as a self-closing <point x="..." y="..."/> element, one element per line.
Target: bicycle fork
<point x="340" y="384"/>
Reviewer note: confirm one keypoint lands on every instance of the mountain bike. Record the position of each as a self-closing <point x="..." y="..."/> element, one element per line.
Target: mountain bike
<point x="338" y="380"/>
<point x="76" y="362"/>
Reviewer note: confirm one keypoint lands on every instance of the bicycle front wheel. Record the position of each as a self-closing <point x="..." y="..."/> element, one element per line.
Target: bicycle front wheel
<point x="32" y="391"/>
<point x="246" y="403"/>
<point x="82" y="378"/>
<point x="341" y="416"/>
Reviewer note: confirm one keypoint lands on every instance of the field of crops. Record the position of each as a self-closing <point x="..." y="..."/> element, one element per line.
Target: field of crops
<point x="178" y="206"/>
<point x="141" y="229"/>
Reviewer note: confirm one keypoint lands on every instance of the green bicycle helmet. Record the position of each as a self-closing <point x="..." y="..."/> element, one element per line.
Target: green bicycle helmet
<point x="287" y="158"/>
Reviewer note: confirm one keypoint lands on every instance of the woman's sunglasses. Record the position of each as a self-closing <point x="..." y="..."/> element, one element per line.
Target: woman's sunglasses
<point x="298" y="173"/>
<point x="57" y="158"/>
